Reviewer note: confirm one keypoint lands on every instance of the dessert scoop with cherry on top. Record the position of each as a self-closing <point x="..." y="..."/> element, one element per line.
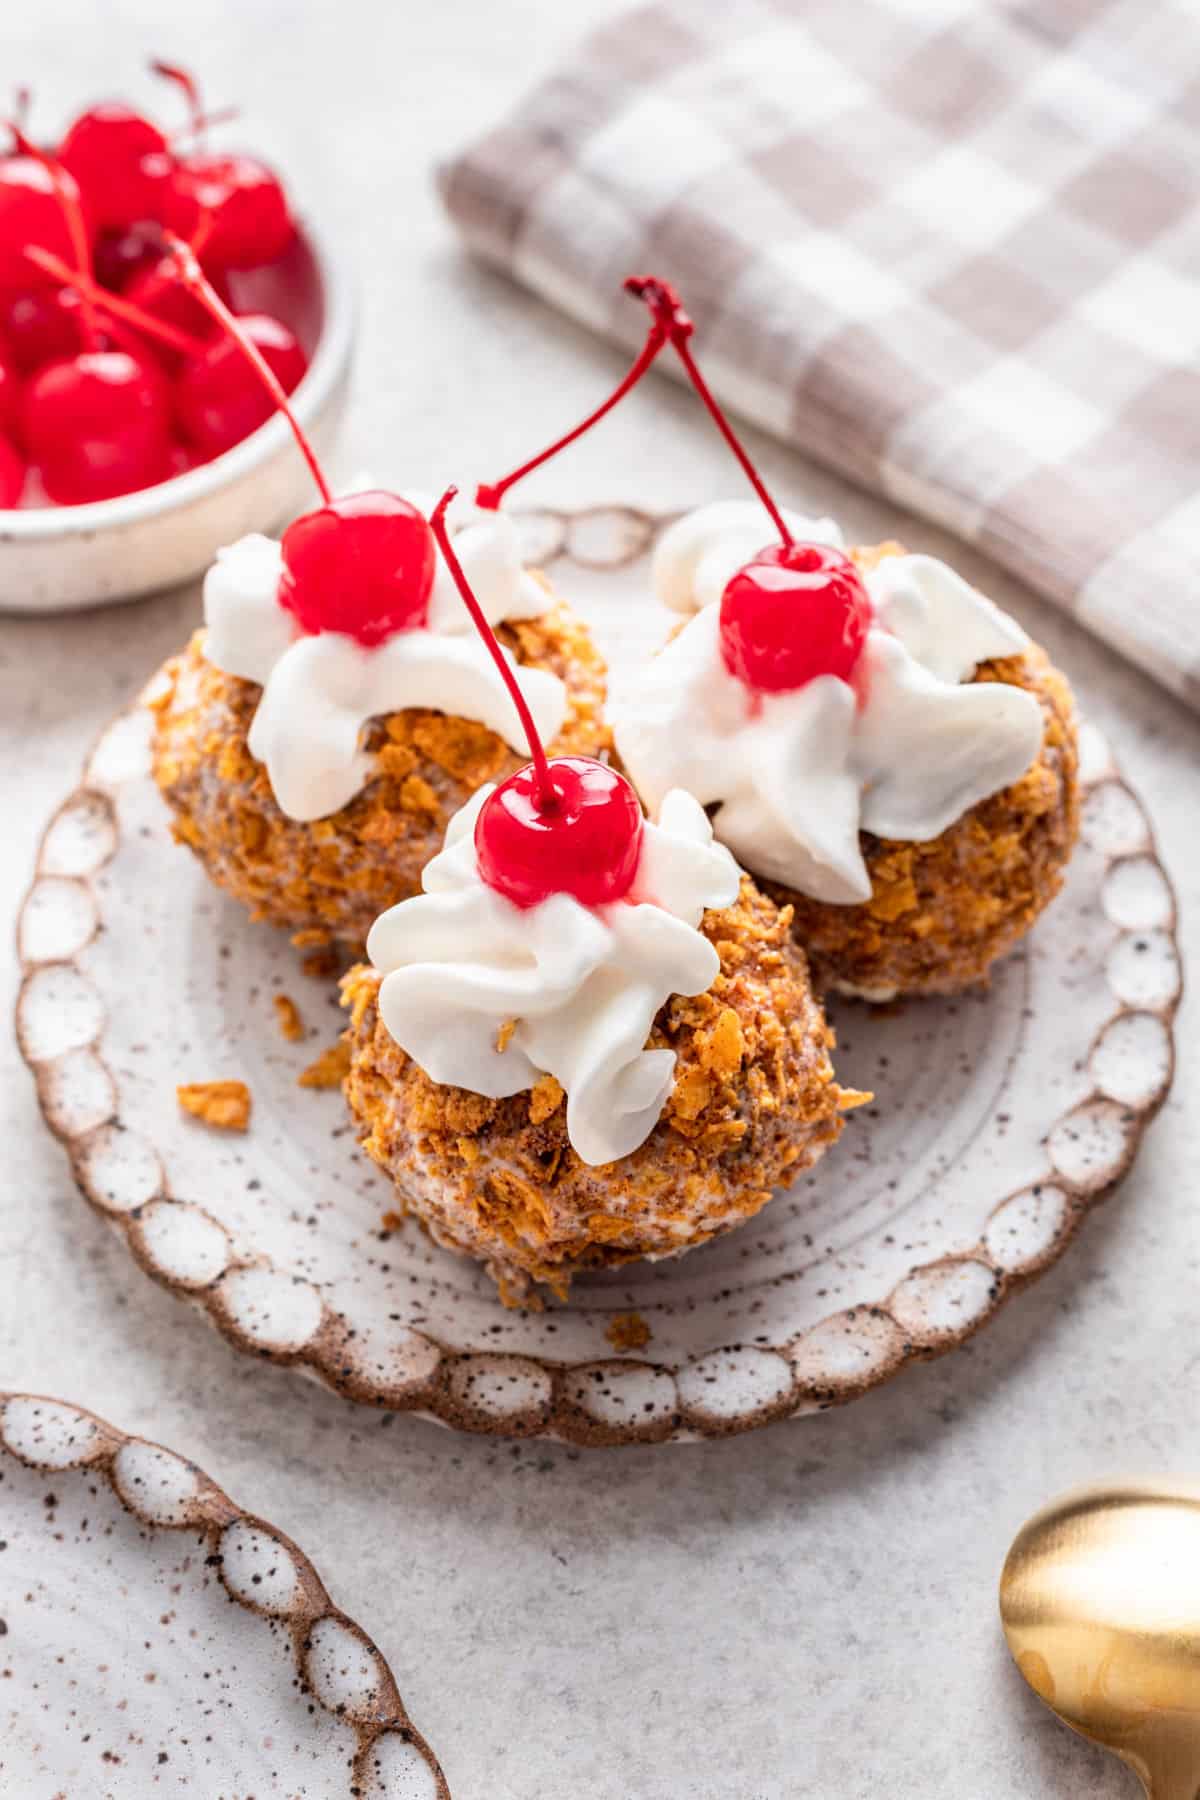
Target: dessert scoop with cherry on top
<point x="316" y="737"/>
<point x="589" y="1039"/>
<point x="877" y="743"/>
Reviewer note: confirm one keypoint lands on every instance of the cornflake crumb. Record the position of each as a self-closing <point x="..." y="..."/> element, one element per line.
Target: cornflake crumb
<point x="392" y="1221"/>
<point x="290" y="1022"/>
<point x="330" y="1068"/>
<point x="722" y="1048"/>
<point x="504" y="1036"/>
<point x="225" y="1105"/>
<point x="628" y="1331"/>
<point x="849" y="1098"/>
<point x="545" y="1100"/>
<point x="416" y="795"/>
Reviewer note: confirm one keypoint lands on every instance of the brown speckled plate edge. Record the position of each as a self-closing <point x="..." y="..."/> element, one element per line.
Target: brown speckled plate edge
<point x="77" y="1438"/>
<point x="836" y="1361"/>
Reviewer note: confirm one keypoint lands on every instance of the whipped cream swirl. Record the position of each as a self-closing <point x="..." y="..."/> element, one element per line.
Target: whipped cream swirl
<point x="795" y="776"/>
<point x="579" y="987"/>
<point x="320" y="691"/>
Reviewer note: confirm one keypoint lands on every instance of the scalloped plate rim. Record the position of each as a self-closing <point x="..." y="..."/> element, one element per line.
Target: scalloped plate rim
<point x="211" y="1512"/>
<point x="558" y="1415"/>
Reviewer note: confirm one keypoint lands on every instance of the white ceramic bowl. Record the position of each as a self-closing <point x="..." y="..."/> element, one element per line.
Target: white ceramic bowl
<point x="55" y="559"/>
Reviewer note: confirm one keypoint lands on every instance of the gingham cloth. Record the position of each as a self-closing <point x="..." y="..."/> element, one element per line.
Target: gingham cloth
<point x="948" y="247"/>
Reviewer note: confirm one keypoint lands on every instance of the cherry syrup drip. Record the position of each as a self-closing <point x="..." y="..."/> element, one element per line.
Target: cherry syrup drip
<point x="795" y="611"/>
<point x="561" y="824"/>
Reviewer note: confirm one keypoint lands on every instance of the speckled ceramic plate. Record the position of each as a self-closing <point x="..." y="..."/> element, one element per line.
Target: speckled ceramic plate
<point x="1000" y="1120"/>
<point x="126" y="1669"/>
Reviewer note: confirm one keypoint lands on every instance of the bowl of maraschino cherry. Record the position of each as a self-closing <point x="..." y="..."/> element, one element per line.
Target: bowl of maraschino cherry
<point x="134" y="439"/>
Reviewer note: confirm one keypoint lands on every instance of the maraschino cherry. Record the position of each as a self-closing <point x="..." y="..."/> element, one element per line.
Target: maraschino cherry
<point x="39" y="324"/>
<point x="219" y="399"/>
<point x="157" y="290"/>
<point x="241" y="197"/>
<point x="97" y="425"/>
<point x="122" y="164"/>
<point x="795" y="611"/>
<point x="30" y="213"/>
<point x="362" y="564"/>
<point x="251" y="221"/>
<point x="215" y="404"/>
<point x="560" y="825"/>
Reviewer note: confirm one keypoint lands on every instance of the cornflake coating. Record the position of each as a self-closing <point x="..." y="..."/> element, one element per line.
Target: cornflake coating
<point x="333" y="877"/>
<point x="755" y="1102"/>
<point x="941" y="913"/>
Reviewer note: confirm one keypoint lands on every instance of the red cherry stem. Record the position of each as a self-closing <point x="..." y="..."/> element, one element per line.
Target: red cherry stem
<point x="547" y="794"/>
<point x="72" y="212"/>
<point x="199" y="126"/>
<point x="199" y="120"/>
<point x="94" y="294"/>
<point x="490" y="494"/>
<point x="186" y="81"/>
<point x="668" y="313"/>
<point x="197" y="283"/>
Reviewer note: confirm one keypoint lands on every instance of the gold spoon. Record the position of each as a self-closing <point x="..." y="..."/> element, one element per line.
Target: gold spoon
<point x="1100" y="1602"/>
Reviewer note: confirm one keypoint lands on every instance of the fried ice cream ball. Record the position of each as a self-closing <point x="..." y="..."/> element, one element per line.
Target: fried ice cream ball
<point x="754" y="1103"/>
<point x="331" y="878"/>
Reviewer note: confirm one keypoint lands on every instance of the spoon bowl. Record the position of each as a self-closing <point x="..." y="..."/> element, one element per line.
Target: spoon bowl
<point x="1100" y="1603"/>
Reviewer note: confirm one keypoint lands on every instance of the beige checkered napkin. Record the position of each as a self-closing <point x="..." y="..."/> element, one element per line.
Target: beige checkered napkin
<point x="949" y="247"/>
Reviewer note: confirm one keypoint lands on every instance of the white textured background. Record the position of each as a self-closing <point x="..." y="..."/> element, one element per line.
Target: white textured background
<point x="805" y="1611"/>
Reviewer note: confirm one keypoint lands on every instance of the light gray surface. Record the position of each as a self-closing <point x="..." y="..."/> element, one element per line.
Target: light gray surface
<point x="808" y="1610"/>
